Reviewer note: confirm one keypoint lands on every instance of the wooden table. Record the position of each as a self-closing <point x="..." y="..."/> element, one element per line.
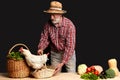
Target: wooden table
<point x="60" y="76"/>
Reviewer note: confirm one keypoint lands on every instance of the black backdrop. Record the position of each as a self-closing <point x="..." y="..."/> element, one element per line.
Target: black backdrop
<point x="97" y="25"/>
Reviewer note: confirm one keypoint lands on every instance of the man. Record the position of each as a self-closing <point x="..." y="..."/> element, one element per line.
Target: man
<point x="60" y="33"/>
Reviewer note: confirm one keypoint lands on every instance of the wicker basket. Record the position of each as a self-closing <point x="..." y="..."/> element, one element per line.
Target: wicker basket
<point x="17" y="68"/>
<point x="43" y="73"/>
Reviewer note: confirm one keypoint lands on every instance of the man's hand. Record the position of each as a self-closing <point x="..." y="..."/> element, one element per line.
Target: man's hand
<point x="58" y="68"/>
<point x="40" y="51"/>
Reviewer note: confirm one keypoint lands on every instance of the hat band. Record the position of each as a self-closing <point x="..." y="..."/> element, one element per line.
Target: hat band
<point x="55" y="8"/>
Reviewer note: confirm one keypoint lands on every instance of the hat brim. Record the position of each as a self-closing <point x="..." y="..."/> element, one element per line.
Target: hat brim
<point x="51" y="11"/>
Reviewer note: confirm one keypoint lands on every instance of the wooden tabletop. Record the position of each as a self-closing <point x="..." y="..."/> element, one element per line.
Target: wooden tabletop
<point x="60" y="76"/>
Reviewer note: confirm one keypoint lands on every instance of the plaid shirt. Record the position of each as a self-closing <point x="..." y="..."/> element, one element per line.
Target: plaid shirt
<point x="61" y="38"/>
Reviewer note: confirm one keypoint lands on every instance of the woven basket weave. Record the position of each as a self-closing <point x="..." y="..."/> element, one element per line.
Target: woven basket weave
<point x="43" y="73"/>
<point x="17" y="68"/>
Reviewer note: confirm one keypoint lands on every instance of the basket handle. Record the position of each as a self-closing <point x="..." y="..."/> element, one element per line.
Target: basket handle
<point x="18" y="44"/>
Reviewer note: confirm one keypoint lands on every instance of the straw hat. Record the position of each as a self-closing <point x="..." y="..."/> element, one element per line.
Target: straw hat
<point x="55" y="7"/>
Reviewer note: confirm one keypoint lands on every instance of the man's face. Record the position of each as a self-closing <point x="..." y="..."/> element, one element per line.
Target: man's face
<point x="55" y="18"/>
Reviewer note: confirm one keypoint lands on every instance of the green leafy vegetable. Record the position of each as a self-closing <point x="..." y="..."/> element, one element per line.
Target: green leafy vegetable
<point x="110" y="73"/>
<point x="82" y="68"/>
<point x="89" y="76"/>
<point x="15" y="55"/>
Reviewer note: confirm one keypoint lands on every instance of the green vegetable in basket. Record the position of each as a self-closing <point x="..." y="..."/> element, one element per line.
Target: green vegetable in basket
<point x="15" y="55"/>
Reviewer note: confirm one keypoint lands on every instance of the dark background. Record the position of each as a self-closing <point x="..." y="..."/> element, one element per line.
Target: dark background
<point x="97" y="25"/>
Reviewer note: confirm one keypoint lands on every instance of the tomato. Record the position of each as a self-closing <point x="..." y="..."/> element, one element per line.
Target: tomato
<point x="92" y="67"/>
<point x="96" y="72"/>
<point x="88" y="69"/>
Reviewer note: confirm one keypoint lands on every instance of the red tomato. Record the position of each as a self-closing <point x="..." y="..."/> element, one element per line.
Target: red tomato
<point x="96" y="72"/>
<point x="92" y="67"/>
<point x="88" y="69"/>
